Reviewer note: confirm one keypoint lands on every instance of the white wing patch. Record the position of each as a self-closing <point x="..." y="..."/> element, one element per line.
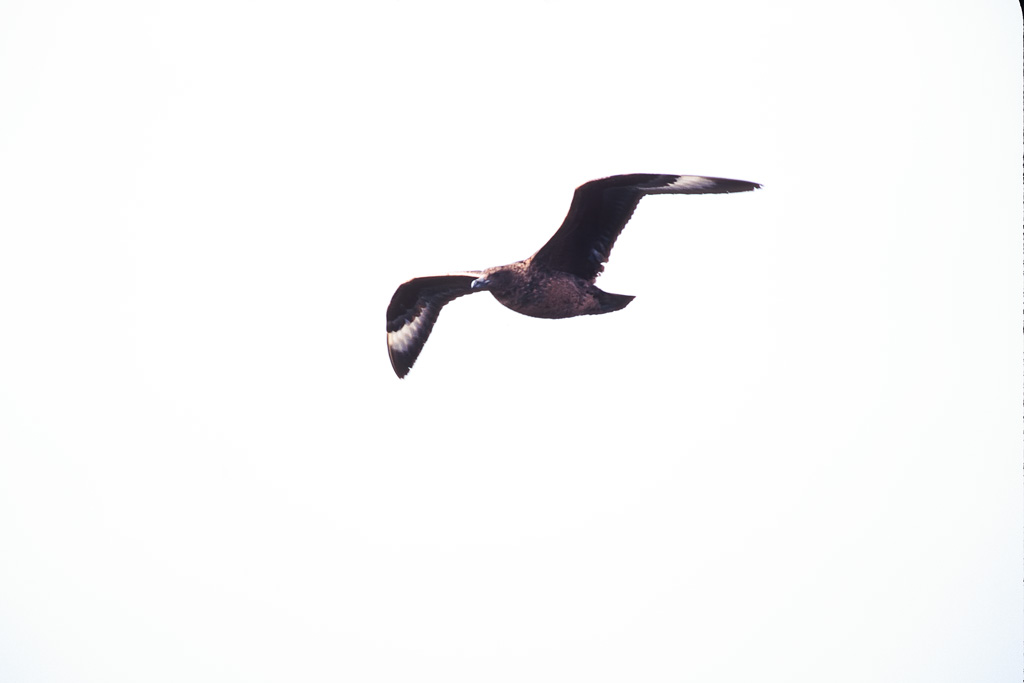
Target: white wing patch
<point x="400" y="340"/>
<point x="691" y="182"/>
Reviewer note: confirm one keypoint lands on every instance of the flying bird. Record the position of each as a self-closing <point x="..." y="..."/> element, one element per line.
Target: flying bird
<point x="557" y="281"/>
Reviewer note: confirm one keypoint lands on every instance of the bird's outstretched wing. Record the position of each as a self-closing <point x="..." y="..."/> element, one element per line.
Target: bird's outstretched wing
<point x="601" y="208"/>
<point x="414" y="309"/>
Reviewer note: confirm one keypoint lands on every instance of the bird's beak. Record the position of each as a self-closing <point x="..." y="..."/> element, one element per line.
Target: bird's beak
<point x="479" y="283"/>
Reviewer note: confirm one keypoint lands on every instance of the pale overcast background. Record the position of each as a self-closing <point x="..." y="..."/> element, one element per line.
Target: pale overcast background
<point x="796" y="456"/>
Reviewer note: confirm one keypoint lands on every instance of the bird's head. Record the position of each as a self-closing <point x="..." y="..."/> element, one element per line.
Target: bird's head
<point x="496" y="281"/>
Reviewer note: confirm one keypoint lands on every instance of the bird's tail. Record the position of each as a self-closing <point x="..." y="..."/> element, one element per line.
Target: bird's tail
<point x="613" y="302"/>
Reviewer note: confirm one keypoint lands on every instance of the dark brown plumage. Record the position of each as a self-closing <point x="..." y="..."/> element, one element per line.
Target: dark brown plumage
<point x="557" y="281"/>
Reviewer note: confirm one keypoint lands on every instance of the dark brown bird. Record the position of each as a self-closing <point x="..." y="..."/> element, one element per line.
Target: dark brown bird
<point x="557" y="281"/>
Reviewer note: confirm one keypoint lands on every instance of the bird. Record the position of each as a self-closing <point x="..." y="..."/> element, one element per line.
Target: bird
<point x="558" y="280"/>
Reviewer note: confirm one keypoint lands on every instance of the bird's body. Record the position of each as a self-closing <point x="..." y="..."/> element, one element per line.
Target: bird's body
<point x="542" y="293"/>
<point x="558" y="280"/>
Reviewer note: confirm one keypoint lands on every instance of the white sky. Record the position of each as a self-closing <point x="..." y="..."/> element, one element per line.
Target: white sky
<point x="796" y="456"/>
